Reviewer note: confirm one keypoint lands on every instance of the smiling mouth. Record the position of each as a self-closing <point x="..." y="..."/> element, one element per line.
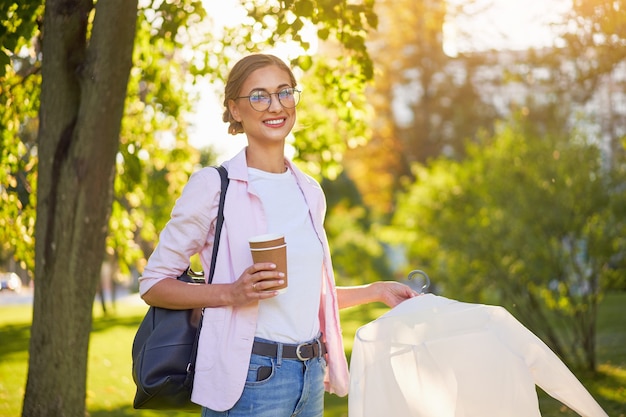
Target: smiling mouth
<point x="274" y="122"/>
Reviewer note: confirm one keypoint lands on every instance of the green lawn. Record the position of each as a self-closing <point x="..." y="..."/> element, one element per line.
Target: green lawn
<point x="111" y="389"/>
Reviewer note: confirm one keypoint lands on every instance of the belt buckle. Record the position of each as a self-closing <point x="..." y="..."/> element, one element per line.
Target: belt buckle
<point x="298" y="354"/>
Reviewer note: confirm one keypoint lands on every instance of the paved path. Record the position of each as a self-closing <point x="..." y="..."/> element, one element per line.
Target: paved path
<point x="25" y="296"/>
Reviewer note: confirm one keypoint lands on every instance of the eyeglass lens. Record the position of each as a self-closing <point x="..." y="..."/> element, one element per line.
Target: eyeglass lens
<point x="261" y="100"/>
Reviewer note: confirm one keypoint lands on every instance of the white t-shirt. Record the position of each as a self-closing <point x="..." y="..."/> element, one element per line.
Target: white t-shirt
<point x="290" y="317"/>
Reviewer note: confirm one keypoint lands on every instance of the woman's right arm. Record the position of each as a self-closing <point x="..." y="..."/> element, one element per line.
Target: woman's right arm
<point x="179" y="295"/>
<point x="184" y="235"/>
<point x="251" y="286"/>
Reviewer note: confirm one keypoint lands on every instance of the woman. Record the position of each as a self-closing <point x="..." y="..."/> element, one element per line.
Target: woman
<point x="260" y="353"/>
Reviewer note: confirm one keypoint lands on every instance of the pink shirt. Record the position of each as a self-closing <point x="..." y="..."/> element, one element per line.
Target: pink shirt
<point x="228" y="332"/>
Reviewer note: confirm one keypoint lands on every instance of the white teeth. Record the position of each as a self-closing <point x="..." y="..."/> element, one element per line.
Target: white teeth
<point x="275" y="122"/>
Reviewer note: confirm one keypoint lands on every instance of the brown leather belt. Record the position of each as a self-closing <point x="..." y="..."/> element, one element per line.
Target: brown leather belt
<point x="303" y="351"/>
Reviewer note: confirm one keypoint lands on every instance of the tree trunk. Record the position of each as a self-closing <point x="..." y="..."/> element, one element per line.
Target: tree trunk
<point x="82" y="99"/>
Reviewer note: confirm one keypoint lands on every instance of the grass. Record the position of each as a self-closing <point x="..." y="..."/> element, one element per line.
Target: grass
<point x="110" y="388"/>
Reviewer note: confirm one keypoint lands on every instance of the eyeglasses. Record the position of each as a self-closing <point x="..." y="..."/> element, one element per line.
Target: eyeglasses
<point x="261" y="100"/>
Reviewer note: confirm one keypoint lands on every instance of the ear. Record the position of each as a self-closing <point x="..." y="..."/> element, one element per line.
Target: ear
<point x="234" y="110"/>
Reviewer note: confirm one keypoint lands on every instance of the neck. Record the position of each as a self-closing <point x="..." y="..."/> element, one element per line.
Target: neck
<point x="266" y="161"/>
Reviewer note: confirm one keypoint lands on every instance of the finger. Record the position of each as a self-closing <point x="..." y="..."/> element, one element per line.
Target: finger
<point x="264" y="289"/>
<point x="262" y="266"/>
<point x="265" y="275"/>
<point x="262" y="295"/>
<point x="266" y="285"/>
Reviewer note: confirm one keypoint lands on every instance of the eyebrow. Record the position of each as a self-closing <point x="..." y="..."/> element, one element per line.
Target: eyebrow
<point x="280" y="87"/>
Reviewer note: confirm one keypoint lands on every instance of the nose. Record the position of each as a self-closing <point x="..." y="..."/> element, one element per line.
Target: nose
<point x="275" y="105"/>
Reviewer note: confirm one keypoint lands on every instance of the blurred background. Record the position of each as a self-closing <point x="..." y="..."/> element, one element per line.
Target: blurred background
<point x="482" y="141"/>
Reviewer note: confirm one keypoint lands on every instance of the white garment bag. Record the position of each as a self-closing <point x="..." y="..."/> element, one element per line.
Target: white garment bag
<point x="435" y="357"/>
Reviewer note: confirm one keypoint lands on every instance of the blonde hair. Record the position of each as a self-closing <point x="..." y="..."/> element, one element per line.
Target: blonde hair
<point x="239" y="74"/>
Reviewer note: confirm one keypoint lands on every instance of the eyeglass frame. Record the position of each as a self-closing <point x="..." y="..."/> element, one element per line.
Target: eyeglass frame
<point x="295" y="90"/>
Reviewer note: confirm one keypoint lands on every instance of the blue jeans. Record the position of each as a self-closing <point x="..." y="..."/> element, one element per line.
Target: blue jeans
<point x="292" y="389"/>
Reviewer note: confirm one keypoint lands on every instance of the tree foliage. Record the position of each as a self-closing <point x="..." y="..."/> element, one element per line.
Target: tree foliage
<point x="425" y="103"/>
<point x="530" y="222"/>
<point x="583" y="74"/>
<point x="345" y="22"/>
<point x="20" y="77"/>
<point x="333" y="116"/>
<point x="359" y="255"/>
<point x="595" y="29"/>
<point x="155" y="157"/>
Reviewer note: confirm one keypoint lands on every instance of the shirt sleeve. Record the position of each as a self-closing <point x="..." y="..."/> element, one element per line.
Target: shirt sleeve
<point x="191" y="228"/>
<point x="547" y="369"/>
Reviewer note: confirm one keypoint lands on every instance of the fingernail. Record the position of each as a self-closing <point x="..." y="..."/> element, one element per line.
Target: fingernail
<point x="281" y="274"/>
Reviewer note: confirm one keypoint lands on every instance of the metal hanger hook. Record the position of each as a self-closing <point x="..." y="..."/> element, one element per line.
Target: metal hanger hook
<point x="424" y="276"/>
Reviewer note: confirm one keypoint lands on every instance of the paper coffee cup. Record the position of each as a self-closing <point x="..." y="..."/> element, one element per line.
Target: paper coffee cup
<point x="271" y="248"/>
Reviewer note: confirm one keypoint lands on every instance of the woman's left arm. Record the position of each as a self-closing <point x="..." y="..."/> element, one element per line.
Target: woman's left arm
<point x="391" y="293"/>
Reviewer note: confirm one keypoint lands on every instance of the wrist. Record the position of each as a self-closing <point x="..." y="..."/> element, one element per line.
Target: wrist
<point x="218" y="295"/>
<point x="226" y="296"/>
<point x="377" y="292"/>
